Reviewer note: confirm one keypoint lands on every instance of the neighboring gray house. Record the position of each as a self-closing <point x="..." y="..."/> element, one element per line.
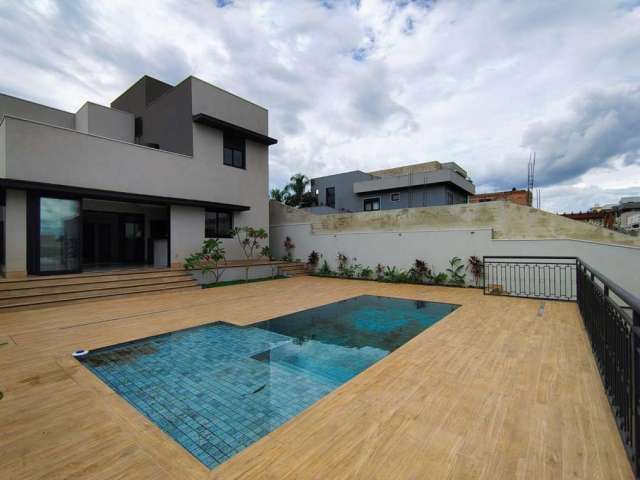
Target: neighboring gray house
<point x="141" y="183"/>
<point x="628" y="211"/>
<point x="420" y="185"/>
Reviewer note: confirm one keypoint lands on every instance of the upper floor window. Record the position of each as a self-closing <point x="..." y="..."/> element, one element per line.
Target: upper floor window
<point x="233" y="152"/>
<point x="218" y="224"/>
<point x="395" y="197"/>
<point x="371" y="204"/>
<point x="330" y="194"/>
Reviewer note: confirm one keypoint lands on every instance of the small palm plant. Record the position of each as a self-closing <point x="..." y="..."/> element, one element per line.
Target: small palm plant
<point x="325" y="269"/>
<point x="456" y="271"/>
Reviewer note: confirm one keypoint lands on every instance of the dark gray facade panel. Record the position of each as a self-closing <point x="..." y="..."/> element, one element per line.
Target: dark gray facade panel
<point x="141" y="94"/>
<point x="346" y="200"/>
<point x="164" y="112"/>
<point x="407" y="197"/>
<point x="167" y="121"/>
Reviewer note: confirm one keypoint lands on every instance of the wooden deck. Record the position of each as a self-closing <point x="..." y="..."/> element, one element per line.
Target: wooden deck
<point x="493" y="391"/>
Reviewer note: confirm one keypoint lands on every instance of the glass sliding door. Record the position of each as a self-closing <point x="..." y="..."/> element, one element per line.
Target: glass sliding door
<point x="58" y="238"/>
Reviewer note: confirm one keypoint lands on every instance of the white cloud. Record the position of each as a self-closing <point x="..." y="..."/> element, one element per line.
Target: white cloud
<point x="370" y="84"/>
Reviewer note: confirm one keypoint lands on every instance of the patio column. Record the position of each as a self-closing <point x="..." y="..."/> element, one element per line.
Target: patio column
<point x="15" y="234"/>
<point x="186" y="232"/>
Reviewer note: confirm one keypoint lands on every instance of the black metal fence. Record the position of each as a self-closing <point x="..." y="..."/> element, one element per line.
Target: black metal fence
<point x="551" y="278"/>
<point x="611" y="317"/>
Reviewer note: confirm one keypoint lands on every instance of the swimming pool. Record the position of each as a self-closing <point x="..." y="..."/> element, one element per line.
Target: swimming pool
<point x="218" y="388"/>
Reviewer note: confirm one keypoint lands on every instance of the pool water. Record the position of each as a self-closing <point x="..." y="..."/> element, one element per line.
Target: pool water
<point x="218" y="388"/>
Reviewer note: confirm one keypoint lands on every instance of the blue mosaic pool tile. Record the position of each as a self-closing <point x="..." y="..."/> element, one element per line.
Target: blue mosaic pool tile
<point x="218" y="388"/>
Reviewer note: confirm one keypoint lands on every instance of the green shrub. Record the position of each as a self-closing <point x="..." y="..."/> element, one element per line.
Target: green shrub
<point x="456" y="271"/>
<point x="325" y="269"/>
<point x="313" y="259"/>
<point x="439" y="278"/>
<point x="207" y="260"/>
<point x="419" y="271"/>
<point x="365" y="272"/>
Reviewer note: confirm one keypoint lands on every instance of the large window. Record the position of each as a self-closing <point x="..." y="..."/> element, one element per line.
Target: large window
<point x="371" y="204"/>
<point x="450" y="197"/>
<point x="233" y="152"/>
<point x="330" y="194"/>
<point x="58" y="235"/>
<point x="218" y="224"/>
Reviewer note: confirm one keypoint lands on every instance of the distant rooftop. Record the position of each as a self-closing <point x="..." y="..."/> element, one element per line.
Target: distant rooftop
<point x="424" y="167"/>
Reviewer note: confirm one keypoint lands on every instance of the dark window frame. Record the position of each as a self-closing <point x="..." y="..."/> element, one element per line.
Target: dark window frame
<point x="331" y="204"/>
<point x="371" y="201"/>
<point x="450" y="197"/>
<point x="234" y="147"/>
<point x="396" y="195"/>
<point x="214" y="231"/>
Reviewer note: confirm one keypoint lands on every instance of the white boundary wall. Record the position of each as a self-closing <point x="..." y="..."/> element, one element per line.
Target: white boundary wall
<point x="438" y="246"/>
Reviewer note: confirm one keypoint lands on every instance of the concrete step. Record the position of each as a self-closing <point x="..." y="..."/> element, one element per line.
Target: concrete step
<point x="58" y="298"/>
<point x="58" y="280"/>
<point x="39" y="290"/>
<point x="293" y="269"/>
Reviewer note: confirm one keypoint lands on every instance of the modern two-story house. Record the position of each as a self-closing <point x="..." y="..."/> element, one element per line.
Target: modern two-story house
<point x="141" y="182"/>
<point x="420" y="185"/>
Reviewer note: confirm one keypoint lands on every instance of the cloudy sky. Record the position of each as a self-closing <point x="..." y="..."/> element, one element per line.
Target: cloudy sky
<point x="372" y="83"/>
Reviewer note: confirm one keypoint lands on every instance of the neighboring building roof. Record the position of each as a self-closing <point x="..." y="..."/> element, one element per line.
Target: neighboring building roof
<point x="424" y="167"/>
<point x="626" y="206"/>
<point x="501" y="193"/>
<point x="586" y="215"/>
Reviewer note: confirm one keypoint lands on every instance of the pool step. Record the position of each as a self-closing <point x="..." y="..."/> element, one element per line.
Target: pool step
<point x="293" y="269"/>
<point x="49" y="291"/>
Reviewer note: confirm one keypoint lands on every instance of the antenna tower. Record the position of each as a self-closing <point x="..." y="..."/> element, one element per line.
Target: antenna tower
<point x="531" y="168"/>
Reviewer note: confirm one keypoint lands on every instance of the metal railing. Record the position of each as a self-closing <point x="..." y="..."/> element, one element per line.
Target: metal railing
<point x="611" y="317"/>
<point x="552" y="278"/>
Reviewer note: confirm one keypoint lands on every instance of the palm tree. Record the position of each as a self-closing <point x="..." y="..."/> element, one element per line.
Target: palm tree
<point x="297" y="186"/>
<point x="279" y="194"/>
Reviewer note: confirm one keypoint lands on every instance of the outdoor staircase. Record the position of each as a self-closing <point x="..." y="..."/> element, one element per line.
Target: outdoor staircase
<point x="34" y="292"/>
<point x="293" y="269"/>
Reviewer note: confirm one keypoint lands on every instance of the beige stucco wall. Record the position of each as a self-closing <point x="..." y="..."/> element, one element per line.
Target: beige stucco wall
<point x="436" y="234"/>
<point x="507" y="221"/>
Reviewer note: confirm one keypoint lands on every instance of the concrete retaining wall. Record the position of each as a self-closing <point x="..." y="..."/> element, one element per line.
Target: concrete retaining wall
<point x="436" y="246"/>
